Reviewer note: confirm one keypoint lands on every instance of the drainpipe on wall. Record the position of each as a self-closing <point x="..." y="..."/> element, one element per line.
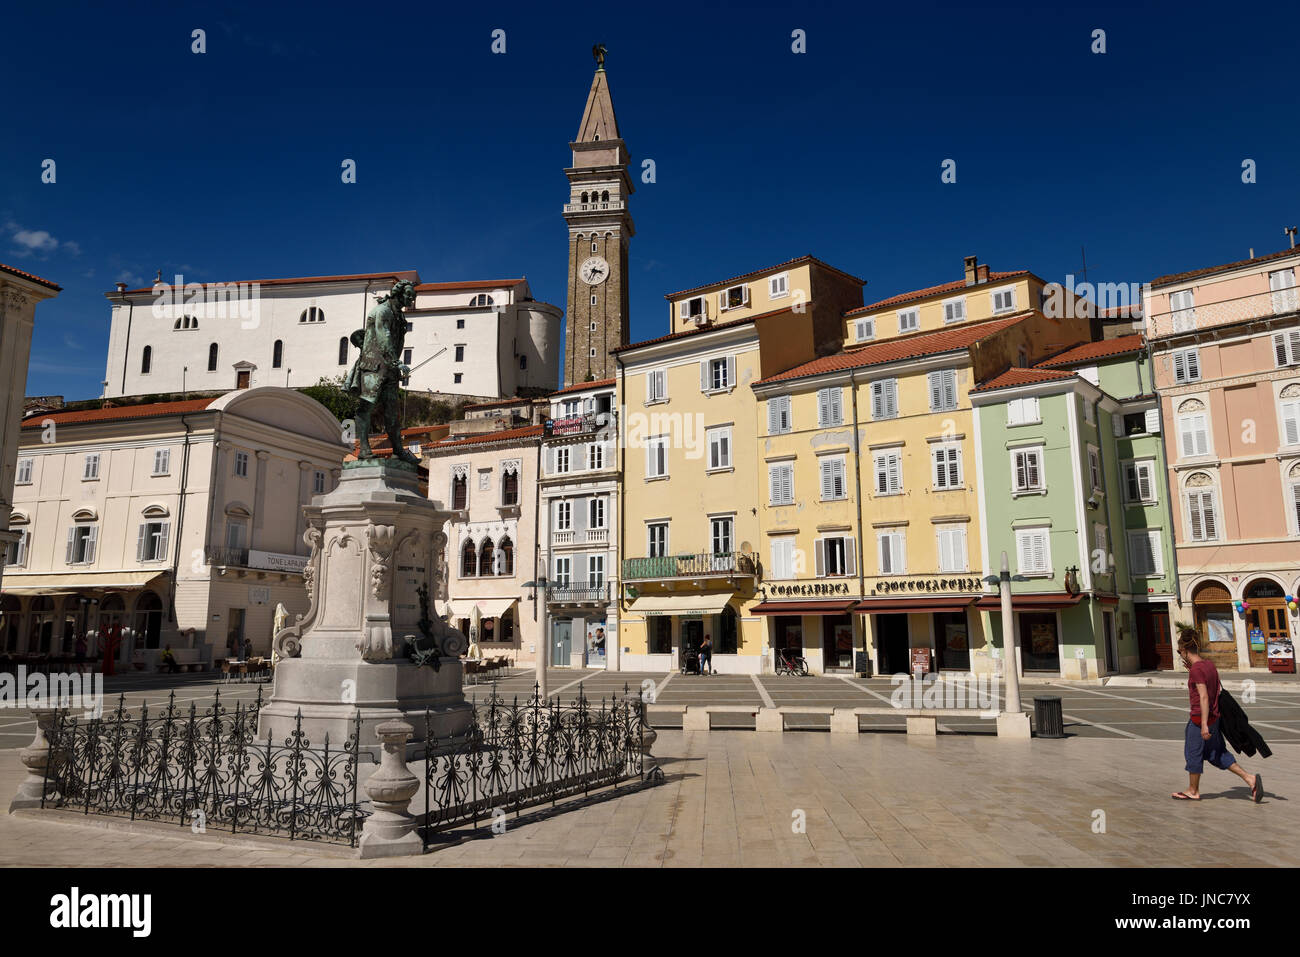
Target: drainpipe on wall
<point x="126" y="349"/>
<point x="180" y="520"/>
<point x="857" y="483"/>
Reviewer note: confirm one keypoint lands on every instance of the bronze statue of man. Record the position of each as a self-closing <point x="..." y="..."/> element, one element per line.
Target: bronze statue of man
<point x="376" y="374"/>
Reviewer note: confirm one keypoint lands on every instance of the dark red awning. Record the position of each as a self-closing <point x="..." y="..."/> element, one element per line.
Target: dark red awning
<point x="903" y="606"/>
<point x="1045" y="601"/>
<point x="804" y="607"/>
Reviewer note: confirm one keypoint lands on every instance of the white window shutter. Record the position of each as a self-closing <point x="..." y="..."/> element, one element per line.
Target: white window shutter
<point x="773" y="416"/>
<point x="705" y="384"/>
<point x="819" y="557"/>
<point x="140" y="542"/>
<point x="826" y="479"/>
<point x="823" y="402"/>
<point x="936" y="391"/>
<point x="72" y="544"/>
<point x="1144" y="482"/>
<point x="1207" y="515"/>
<point x="850" y="556"/>
<point x="885" y="566"/>
<point x="731" y="371"/>
<point x="1153" y="421"/>
<point x="90" y="543"/>
<point x="162" y="540"/>
<point x="895" y="474"/>
<point x="877" y="399"/>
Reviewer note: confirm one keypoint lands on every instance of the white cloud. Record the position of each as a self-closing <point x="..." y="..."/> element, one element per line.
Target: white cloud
<point x="37" y="243"/>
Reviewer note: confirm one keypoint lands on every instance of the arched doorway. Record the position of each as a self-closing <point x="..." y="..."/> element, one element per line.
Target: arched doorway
<point x="1266" y="623"/>
<point x="112" y="619"/>
<point x="40" y="633"/>
<point x="1212" y="607"/>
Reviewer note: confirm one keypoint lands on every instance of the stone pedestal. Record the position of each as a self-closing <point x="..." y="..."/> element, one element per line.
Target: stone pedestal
<point x="374" y="542"/>
<point x="1014" y="725"/>
<point x="390" y="830"/>
<point x="36" y="758"/>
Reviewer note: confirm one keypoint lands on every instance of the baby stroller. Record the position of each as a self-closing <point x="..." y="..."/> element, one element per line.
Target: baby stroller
<point x="690" y="662"/>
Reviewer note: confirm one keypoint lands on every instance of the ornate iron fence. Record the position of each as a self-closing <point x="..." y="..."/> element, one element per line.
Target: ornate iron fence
<point x="523" y="754"/>
<point x="206" y="766"/>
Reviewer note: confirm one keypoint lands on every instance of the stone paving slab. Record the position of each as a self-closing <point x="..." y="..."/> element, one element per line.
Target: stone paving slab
<point x="741" y="799"/>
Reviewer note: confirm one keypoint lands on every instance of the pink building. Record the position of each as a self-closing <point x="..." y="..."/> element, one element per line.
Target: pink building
<point x="1225" y="345"/>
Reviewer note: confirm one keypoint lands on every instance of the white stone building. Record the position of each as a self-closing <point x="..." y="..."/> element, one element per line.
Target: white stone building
<point x="19" y="294"/>
<point x="478" y="338"/>
<point x="488" y="484"/>
<point x="578" y="511"/>
<point x="178" y="523"/>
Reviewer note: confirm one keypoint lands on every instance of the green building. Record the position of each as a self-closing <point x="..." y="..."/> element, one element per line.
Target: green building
<point x="1073" y="490"/>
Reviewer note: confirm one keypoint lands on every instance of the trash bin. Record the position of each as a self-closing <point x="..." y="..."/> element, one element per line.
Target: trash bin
<point x="1048" y="720"/>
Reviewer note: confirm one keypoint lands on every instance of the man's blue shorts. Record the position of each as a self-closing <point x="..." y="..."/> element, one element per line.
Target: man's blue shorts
<point x="1197" y="750"/>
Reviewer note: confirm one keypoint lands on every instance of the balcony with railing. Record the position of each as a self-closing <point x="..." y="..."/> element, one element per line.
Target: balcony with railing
<point x="581" y="424"/>
<point x="701" y="565"/>
<point x="585" y="536"/>
<point x="1208" y="315"/>
<point x="593" y="207"/>
<point x="576" y="593"/>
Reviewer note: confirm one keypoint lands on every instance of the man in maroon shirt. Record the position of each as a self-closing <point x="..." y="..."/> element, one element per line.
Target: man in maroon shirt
<point x="1204" y="738"/>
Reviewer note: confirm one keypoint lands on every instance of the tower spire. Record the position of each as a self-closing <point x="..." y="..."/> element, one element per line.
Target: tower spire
<point x="598" y="121"/>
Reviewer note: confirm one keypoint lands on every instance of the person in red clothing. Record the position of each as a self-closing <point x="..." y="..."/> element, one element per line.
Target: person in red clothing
<point x="1204" y="738"/>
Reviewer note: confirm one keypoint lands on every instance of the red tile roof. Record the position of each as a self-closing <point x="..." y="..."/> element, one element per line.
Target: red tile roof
<point x="357" y="277"/>
<point x="1015" y="376"/>
<point x="759" y="272"/>
<point x="508" y="400"/>
<point x="579" y="386"/>
<point x="380" y="446"/>
<point x="147" y="411"/>
<point x="712" y="327"/>
<point x="954" y="286"/>
<point x="27" y="275"/>
<point x="469" y="284"/>
<point x="1192" y="274"/>
<point x="1130" y="310"/>
<point x="1092" y="351"/>
<point x="504" y="435"/>
<point x="904" y="347"/>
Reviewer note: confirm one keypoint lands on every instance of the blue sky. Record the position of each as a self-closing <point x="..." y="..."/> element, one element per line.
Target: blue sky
<point x="226" y="166"/>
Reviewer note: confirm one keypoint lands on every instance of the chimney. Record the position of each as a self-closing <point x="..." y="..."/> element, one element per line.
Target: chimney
<point x="982" y="273"/>
<point x="969" y="263"/>
<point x="1252" y="252"/>
<point x="121" y="286"/>
<point x="1290" y="232"/>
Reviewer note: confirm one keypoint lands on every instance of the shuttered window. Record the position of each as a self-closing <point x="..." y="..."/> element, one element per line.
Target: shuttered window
<point x="1033" y="551"/>
<point x="1282" y="282"/>
<point x="656" y="386"/>
<point x="1144" y="556"/>
<point x="1286" y="347"/>
<point x="830" y="409"/>
<point x="151" y="542"/>
<point x="947" y="467"/>
<point x="1194" y="434"/>
<point x="1139" y="482"/>
<point x="834" y="556"/>
<point x="891" y="553"/>
<point x="780" y="482"/>
<point x="1187" y="365"/>
<point x="889" y="473"/>
<point x="1027" y="469"/>
<point x="951" y="541"/>
<point x="884" y="399"/>
<point x="656" y="456"/>
<point x="1023" y="411"/>
<point x="943" y="390"/>
<point x="1202" y="521"/>
<point x="782" y="549"/>
<point x="1291" y="422"/>
<point x="833" y="484"/>
<point x="778" y="415"/>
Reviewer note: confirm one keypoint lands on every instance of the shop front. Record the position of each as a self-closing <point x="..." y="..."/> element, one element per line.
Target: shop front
<point x="677" y="624"/>
<point x="821" y="632"/>
<point x="490" y="625"/>
<point x="941" y="626"/>
<point x="1039" y="632"/>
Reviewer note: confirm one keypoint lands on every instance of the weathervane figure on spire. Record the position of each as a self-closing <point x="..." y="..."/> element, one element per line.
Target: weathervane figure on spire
<point x="598" y="51"/>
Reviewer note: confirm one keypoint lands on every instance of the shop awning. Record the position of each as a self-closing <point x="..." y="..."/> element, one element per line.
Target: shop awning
<point x="804" y="607"/>
<point x="1045" y="601"/>
<point x="487" y="607"/>
<point x="712" y="604"/>
<point x="70" y="584"/>
<point x="912" y="606"/>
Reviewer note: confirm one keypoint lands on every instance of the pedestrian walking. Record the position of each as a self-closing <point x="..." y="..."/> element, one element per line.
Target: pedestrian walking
<point x="706" y="654"/>
<point x="1204" y="736"/>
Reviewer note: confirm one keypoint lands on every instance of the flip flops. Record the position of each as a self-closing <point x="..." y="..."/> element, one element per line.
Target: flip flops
<point x="1257" y="792"/>
<point x="1184" y="796"/>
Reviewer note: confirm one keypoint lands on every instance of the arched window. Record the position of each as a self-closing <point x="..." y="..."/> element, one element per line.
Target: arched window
<point x="584" y="197"/>
<point x="468" y="560"/>
<point x="186" y="322"/>
<point x="343" y="351"/>
<point x="486" y="558"/>
<point x="506" y="562"/>
<point x="148" y="620"/>
<point x="604" y="197"/>
<point x="510" y="484"/>
<point x="146" y="360"/>
<point x="459" y="491"/>
<point x="277" y="354"/>
<point x="212" y="357"/>
<point x="482" y="299"/>
<point x="312" y="314"/>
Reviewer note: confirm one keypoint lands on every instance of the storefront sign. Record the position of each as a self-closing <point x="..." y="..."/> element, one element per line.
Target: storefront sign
<point x="926" y="586"/>
<point x="809" y="589"/>
<point x="920" y="661"/>
<point x="276" y="561"/>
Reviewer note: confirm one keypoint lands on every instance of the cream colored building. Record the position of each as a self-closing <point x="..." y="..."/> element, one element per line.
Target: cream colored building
<point x="488" y="484"/>
<point x="174" y="523"/>
<point x="19" y="294"/>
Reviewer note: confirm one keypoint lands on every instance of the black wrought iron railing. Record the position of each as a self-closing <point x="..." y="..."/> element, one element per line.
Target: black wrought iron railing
<point x="206" y="767"/>
<point x="225" y="555"/>
<point x="578" y="592"/>
<point x="524" y="754"/>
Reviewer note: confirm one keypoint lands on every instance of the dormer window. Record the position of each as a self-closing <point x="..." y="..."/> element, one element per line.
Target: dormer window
<point x="734" y="298"/>
<point x="909" y="320"/>
<point x="694" y="308"/>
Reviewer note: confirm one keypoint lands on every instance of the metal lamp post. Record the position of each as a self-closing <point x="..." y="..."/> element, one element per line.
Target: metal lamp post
<point x="1012" y="721"/>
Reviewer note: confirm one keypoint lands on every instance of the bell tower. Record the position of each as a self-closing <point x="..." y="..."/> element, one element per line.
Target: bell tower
<point x="599" y="230"/>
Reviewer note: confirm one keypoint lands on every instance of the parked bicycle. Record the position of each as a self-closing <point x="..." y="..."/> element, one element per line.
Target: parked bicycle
<point x="788" y="663"/>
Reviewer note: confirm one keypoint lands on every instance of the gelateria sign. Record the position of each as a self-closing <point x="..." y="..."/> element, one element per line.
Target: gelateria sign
<point x="927" y="586"/>
<point x="277" y="561"/>
<point x="809" y="589"/>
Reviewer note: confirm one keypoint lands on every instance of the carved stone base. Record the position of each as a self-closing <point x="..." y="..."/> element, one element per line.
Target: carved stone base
<point x="376" y="541"/>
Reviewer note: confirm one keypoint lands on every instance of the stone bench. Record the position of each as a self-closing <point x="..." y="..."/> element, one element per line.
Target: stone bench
<point x="187" y="659"/>
<point x="920" y="721"/>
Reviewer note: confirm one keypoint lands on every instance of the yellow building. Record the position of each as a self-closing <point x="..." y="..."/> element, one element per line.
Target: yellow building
<point x="868" y="521"/>
<point x="691" y="462"/>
